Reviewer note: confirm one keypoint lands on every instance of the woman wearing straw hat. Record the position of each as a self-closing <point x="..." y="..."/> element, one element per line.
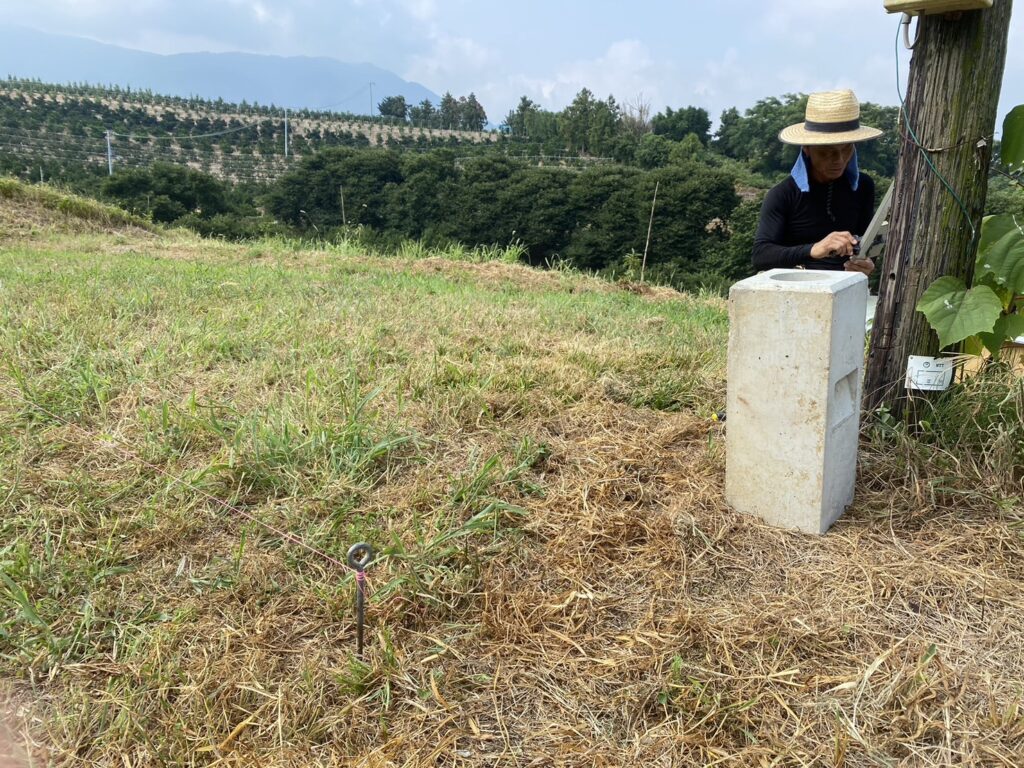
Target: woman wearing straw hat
<point x="813" y="218"/>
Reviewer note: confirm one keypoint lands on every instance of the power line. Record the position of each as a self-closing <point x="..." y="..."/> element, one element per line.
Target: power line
<point x="347" y="99"/>
<point x="247" y="161"/>
<point x="180" y="137"/>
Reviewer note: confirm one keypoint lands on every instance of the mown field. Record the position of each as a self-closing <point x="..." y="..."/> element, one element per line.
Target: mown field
<point x="559" y="581"/>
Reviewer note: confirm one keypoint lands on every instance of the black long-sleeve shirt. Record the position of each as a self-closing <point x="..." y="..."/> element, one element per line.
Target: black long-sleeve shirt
<point x="792" y="221"/>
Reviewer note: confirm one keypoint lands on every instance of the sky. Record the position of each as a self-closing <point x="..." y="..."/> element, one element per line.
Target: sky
<point x="713" y="54"/>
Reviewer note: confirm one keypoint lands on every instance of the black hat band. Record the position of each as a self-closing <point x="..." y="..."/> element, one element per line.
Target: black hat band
<point x="849" y="125"/>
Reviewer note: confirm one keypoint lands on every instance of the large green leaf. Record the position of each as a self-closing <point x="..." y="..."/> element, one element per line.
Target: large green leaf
<point x="1004" y="259"/>
<point x="993" y="228"/>
<point x="1008" y="327"/>
<point x="956" y="312"/>
<point x="1011" y="148"/>
<point x="1005" y="294"/>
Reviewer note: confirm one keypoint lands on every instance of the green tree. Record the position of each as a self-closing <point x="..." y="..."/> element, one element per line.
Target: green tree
<point x="518" y="120"/>
<point x="449" y="111"/>
<point x="678" y="124"/>
<point x="688" y="150"/>
<point x="653" y="151"/>
<point x="472" y="116"/>
<point x="728" y="247"/>
<point x="692" y="199"/>
<point x="394" y="107"/>
<point x="536" y="208"/>
<point x="754" y="137"/>
<point x="879" y="156"/>
<point x="605" y="126"/>
<point x="423" y="114"/>
<point x="420" y="204"/>
<point x="309" y="195"/>
<point x="543" y="127"/>
<point x="575" y="121"/>
<point x="1005" y="196"/>
<point x="603" y="200"/>
<point x="167" y="192"/>
<point x="589" y="126"/>
<point x="478" y="214"/>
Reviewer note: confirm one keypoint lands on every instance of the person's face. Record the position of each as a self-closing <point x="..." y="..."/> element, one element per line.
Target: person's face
<point x="829" y="161"/>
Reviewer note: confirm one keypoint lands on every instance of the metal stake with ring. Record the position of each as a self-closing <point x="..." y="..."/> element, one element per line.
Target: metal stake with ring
<point x="359" y="556"/>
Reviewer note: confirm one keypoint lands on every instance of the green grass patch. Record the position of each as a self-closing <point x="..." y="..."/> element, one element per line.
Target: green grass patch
<point x="82" y="208"/>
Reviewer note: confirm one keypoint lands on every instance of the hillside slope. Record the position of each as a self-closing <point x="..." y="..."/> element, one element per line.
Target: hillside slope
<point x="33" y="211"/>
<point x="61" y="129"/>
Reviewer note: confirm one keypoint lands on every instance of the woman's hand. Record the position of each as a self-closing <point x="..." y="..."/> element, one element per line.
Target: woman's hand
<point x="834" y="244"/>
<point x="863" y="265"/>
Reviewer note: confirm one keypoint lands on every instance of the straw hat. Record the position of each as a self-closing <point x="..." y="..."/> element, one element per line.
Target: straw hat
<point x="832" y="117"/>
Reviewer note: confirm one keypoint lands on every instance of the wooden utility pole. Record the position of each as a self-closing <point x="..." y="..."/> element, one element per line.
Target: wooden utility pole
<point x="952" y="95"/>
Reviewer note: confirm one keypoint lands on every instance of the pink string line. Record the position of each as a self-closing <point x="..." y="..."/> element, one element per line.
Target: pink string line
<point x="131" y="455"/>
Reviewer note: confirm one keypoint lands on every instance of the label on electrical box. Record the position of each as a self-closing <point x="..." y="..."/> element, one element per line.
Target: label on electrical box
<point x="929" y="373"/>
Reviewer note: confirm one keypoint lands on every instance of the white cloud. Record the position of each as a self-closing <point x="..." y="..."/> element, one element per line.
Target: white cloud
<point x="813" y="24"/>
<point x="625" y="69"/>
<point x="452" y="63"/>
<point x="267" y="17"/>
<point x="86" y="8"/>
<point x="421" y="10"/>
<point x="725" y="75"/>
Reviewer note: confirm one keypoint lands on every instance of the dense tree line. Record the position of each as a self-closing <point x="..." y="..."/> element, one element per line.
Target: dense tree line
<point x="595" y="218"/>
<point x="462" y="114"/>
<point x="592" y="126"/>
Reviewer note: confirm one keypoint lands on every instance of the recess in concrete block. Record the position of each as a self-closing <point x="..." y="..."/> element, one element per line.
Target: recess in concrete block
<point x="798" y="276"/>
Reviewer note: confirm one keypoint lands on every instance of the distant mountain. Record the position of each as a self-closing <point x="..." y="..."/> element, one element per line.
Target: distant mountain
<point x="293" y="81"/>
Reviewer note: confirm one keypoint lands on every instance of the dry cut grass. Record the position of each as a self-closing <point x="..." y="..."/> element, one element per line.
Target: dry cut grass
<point x="560" y="582"/>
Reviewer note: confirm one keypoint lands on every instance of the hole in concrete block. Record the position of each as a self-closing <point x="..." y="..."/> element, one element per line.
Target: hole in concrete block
<point x="798" y="277"/>
<point x="844" y="399"/>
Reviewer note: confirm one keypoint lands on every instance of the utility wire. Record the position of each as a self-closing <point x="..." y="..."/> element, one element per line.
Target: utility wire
<point x="67" y="147"/>
<point x="180" y="137"/>
<point x="343" y="101"/>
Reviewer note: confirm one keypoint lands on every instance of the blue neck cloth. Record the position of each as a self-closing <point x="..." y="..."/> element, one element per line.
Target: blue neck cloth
<point x="801" y="172"/>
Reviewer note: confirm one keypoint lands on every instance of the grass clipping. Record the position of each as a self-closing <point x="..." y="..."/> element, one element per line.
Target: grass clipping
<point x="560" y="584"/>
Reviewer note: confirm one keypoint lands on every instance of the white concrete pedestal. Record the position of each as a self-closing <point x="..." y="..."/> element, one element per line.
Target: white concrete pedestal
<point x="796" y="354"/>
